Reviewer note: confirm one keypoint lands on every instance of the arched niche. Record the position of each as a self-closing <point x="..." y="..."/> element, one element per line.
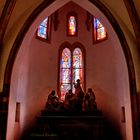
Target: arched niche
<point x="94" y="7"/>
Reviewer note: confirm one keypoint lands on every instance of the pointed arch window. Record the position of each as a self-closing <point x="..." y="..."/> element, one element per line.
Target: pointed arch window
<point x="72" y="24"/>
<point x="71" y="69"/>
<point x="99" y="31"/>
<point x="43" y="31"/>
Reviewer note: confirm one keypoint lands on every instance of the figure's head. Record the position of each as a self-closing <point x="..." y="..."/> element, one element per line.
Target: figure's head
<point x="53" y="92"/>
<point x="78" y="80"/>
<point x="89" y="89"/>
<point x="70" y="91"/>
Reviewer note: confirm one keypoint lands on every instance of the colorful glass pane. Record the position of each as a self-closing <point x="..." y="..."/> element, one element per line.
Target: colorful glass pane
<point x="77" y="65"/>
<point x="77" y="74"/>
<point x="72" y="25"/>
<point x="77" y="58"/>
<point x="45" y="22"/>
<point x="65" y="72"/>
<point x="67" y="66"/>
<point x="101" y="33"/>
<point x="100" y="30"/>
<point x="65" y="75"/>
<point x="66" y="58"/>
<point x="64" y="89"/>
<point x="41" y="32"/>
<point x="43" y="29"/>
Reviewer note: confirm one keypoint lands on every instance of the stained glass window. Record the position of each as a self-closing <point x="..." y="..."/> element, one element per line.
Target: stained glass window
<point x="72" y="24"/>
<point x="43" y="29"/>
<point x="65" y="72"/>
<point x="71" y="69"/>
<point x="77" y="65"/>
<point x="99" y="30"/>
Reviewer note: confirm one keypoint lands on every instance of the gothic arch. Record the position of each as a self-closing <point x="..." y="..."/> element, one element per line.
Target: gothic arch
<point x="109" y="16"/>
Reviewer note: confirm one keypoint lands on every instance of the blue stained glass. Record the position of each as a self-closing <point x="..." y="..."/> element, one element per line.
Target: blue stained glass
<point x="42" y="32"/>
<point x="95" y="23"/>
<point x="66" y="58"/>
<point x="43" y="29"/>
<point x="66" y="63"/>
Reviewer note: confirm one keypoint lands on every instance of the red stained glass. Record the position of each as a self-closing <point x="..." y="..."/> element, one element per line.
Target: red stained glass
<point x="72" y="25"/>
